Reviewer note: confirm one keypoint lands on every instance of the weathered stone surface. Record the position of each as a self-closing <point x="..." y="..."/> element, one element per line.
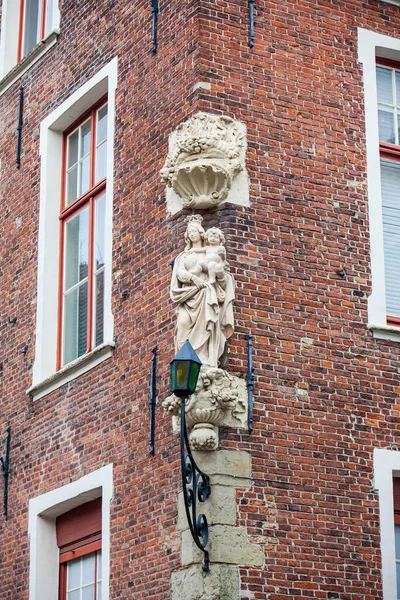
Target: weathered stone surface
<point x="227" y="544"/>
<point x="221" y="583"/>
<point x="220" y="507"/>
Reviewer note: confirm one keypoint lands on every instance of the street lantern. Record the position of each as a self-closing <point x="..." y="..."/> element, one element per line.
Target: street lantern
<point x="185" y="369"/>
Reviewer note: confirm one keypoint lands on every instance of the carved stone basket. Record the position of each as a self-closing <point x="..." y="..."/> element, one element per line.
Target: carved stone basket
<point x="219" y="399"/>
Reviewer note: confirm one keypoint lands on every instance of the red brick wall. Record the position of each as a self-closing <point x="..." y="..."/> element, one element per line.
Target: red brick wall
<point x="319" y="410"/>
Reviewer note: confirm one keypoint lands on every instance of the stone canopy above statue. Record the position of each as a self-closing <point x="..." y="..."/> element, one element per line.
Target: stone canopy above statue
<point x="206" y="163"/>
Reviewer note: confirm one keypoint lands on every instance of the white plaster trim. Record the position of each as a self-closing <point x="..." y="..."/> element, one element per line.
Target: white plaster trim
<point x="9" y="39"/>
<point x="71" y="371"/>
<point x="394" y="2"/>
<point x="43" y="511"/>
<point x="386" y="466"/>
<point x="26" y="63"/>
<point x="371" y="45"/>
<point x="51" y="138"/>
<point x="383" y="332"/>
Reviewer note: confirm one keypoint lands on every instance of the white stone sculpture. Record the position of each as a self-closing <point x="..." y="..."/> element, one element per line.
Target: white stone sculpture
<point x="203" y="289"/>
<point x="206" y="152"/>
<point x="219" y="399"/>
<point x="205" y="301"/>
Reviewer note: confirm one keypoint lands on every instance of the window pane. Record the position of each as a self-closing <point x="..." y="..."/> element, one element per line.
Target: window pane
<point x="88" y="569"/>
<point x="398" y="88"/>
<point x="31" y="25"/>
<point x="99" y="565"/>
<point x="85" y="175"/>
<point x="390" y="176"/>
<point x="74" y="596"/>
<point x="386" y="125"/>
<point x="88" y="593"/>
<point x="72" y="185"/>
<point x="397" y="538"/>
<point x="74" y="574"/>
<point x="99" y="593"/>
<point x="73" y="141"/>
<point x="99" y="309"/>
<point x="100" y="232"/>
<point x="101" y="124"/>
<point x="101" y="161"/>
<point x="398" y="579"/>
<point x="384" y="84"/>
<point x="76" y="249"/>
<point x="75" y="323"/>
<point x="85" y="143"/>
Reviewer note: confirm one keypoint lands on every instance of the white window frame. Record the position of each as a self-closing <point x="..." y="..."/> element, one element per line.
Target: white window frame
<point x="45" y="376"/>
<point x="9" y="38"/>
<point x="370" y="46"/>
<point x="387" y="466"/>
<point x="43" y="512"/>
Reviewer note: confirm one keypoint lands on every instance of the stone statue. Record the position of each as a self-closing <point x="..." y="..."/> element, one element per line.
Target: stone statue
<point x="203" y="289"/>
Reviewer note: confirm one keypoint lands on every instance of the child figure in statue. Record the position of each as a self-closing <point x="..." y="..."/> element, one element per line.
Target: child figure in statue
<point x="215" y="259"/>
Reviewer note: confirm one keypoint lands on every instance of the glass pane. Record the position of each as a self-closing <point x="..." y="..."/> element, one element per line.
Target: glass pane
<point x="31" y="25"/>
<point x="76" y="249"/>
<point x="101" y="161"/>
<point x="384" y="85"/>
<point x="88" y="563"/>
<point x="101" y="124"/>
<point x="88" y="593"/>
<point x="82" y="319"/>
<point x="73" y="141"/>
<point x="99" y="309"/>
<point x="75" y="323"/>
<point x="386" y="125"/>
<point x="99" y="593"/>
<point x="85" y="175"/>
<point x="99" y="566"/>
<point x="72" y="185"/>
<point x="85" y="143"/>
<point x="74" y="574"/>
<point x="398" y="579"/>
<point x="100" y="232"/>
<point x="74" y="595"/>
<point x="397" y="538"/>
<point x="398" y="88"/>
<point x="390" y="178"/>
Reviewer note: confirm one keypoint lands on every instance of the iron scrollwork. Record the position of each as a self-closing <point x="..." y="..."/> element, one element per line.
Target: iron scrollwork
<point x="6" y="471"/>
<point x="250" y="380"/>
<point x="196" y="487"/>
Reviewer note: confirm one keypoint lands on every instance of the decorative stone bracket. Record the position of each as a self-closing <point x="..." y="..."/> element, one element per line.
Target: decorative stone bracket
<point x="219" y="399"/>
<point x="206" y="153"/>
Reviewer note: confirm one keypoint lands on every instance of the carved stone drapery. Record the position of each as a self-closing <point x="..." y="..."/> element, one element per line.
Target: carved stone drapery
<point x="206" y="152"/>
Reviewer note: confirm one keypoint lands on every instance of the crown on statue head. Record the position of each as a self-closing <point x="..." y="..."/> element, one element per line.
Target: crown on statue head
<point x="194" y="218"/>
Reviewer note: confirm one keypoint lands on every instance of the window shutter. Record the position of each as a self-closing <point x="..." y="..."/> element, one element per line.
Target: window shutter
<point x="390" y="175"/>
<point x="81" y="525"/>
<point x="396" y="500"/>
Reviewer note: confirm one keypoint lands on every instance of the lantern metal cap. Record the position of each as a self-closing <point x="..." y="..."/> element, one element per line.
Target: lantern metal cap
<point x="187" y="353"/>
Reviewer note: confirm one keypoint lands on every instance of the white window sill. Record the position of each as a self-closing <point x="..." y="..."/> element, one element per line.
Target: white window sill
<point x="71" y="371"/>
<point x="33" y="56"/>
<point x="385" y="332"/>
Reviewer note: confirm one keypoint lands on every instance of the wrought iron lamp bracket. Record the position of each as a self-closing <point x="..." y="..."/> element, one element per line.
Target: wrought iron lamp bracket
<point x="196" y="488"/>
<point x="6" y="471"/>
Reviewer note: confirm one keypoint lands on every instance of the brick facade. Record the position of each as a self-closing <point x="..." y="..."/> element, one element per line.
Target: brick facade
<point x="327" y="391"/>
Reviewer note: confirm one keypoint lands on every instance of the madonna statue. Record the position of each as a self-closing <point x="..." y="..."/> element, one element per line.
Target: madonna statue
<point x="203" y="289"/>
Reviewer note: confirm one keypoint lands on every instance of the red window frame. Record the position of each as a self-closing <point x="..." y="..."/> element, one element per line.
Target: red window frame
<point x="21" y="24"/>
<point x="68" y="211"/>
<point x="390" y="152"/>
<point x="84" y="522"/>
